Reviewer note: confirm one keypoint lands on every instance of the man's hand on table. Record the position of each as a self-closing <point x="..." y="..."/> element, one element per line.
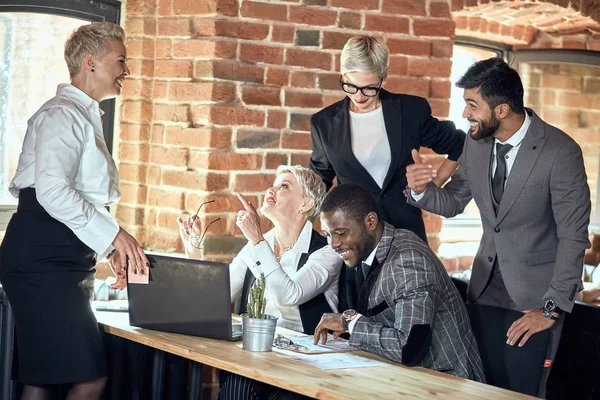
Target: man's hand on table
<point x="329" y="321"/>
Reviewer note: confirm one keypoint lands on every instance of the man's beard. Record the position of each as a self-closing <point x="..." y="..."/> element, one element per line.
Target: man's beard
<point x="486" y="129"/>
<point x="364" y="250"/>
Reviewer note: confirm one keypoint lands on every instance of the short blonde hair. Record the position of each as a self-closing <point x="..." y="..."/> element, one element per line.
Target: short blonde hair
<point x="90" y="39"/>
<point x="365" y="54"/>
<point x="312" y="186"/>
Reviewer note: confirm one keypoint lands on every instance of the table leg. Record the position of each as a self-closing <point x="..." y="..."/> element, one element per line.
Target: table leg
<point x="196" y="381"/>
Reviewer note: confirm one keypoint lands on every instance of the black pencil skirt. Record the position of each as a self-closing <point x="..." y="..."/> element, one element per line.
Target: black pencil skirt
<point x="48" y="276"/>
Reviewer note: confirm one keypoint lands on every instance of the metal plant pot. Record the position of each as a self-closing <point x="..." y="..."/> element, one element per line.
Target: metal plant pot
<point x="258" y="334"/>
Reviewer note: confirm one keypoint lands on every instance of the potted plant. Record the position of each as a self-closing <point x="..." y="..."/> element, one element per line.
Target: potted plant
<point x="258" y="328"/>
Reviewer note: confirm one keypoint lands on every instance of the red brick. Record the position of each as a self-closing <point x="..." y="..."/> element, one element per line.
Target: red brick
<point x="263" y="54"/>
<point x="403" y="7"/>
<point x="222" y="203"/>
<point x="566" y="82"/>
<point x="329" y="99"/>
<point x="174" y="26"/>
<point x="385" y="23"/>
<point x="461" y="22"/>
<point x="276" y="119"/>
<point x="350" y="20"/>
<point x="307" y="58"/>
<point x="413" y="47"/>
<point x="193" y="7"/>
<point x="148" y="48"/>
<point x="439" y="107"/>
<point x="202" y="91"/>
<point x="300" y="159"/>
<point x="451" y="264"/>
<point x="230" y="70"/>
<point x="414" y="86"/>
<point x="355" y="4"/>
<point x="442" y="48"/>
<point x="140" y="7"/>
<point x="283" y="33"/>
<point x="329" y="81"/>
<point x="154" y="175"/>
<point x="398" y="65"/>
<point x="506" y="30"/>
<point x="252" y="182"/>
<point x="196" y="180"/>
<point x="134" y="26"/>
<point x="440" y="89"/>
<point x="203" y="48"/>
<point x="303" y="79"/>
<point x="264" y="11"/>
<point x="433" y="27"/>
<point x="137" y="111"/>
<point x="132" y="215"/>
<point x="577" y="100"/>
<point x="300" y="122"/>
<point x="335" y="40"/>
<point x="229" y="28"/>
<point x="165" y="198"/>
<point x="169" y="156"/>
<point x="132" y="172"/>
<point x="225" y="161"/>
<point x="171" y="113"/>
<point x="164" y="48"/>
<point x="134" y="132"/>
<point x="167" y="220"/>
<point x="439" y="10"/>
<point x="137" y="68"/>
<point x="274" y="160"/>
<point x="299" y="141"/>
<point x="137" y="88"/>
<point x="173" y="69"/>
<point x="313" y="16"/>
<point x="432" y="68"/>
<point x="157" y="134"/>
<point x="133" y="193"/>
<point x="277" y="76"/>
<point x="159" y="90"/>
<point x="227" y="116"/>
<point x="135" y="47"/>
<point x="165" y="7"/>
<point x="306" y="99"/>
<point x="206" y="137"/>
<point x="258" y="139"/>
<point x="133" y="152"/>
<point x="433" y="223"/>
<point x="261" y="95"/>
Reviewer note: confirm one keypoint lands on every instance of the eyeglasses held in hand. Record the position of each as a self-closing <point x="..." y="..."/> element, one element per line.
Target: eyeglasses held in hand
<point x="368" y="91"/>
<point x="196" y="240"/>
<point x="281" y="342"/>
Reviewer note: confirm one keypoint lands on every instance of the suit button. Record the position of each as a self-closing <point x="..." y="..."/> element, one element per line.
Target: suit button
<point x="496" y="229"/>
<point x="490" y="259"/>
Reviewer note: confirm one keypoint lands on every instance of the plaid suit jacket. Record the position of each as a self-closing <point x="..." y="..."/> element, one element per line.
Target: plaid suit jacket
<point x="415" y="285"/>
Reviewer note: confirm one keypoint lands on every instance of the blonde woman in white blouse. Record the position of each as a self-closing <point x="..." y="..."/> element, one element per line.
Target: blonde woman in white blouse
<point x="65" y="178"/>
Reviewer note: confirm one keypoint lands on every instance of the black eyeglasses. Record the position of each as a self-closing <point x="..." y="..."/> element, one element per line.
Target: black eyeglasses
<point x="369" y="91"/>
<point x="196" y="240"/>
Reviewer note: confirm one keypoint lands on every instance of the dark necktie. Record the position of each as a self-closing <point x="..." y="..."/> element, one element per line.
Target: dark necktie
<point x="500" y="175"/>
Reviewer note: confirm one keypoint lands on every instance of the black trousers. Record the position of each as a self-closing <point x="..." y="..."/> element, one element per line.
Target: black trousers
<point x="236" y="387"/>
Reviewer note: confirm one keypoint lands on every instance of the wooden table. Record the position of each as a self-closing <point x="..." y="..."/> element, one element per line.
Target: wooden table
<point x="390" y="382"/>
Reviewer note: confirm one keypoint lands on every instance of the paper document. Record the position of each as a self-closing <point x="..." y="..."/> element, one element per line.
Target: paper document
<point x="305" y="345"/>
<point x="336" y="360"/>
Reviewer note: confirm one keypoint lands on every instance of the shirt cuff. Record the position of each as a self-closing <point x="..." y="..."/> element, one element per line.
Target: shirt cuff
<point x="416" y="196"/>
<point x="353" y="322"/>
<point x="263" y="257"/>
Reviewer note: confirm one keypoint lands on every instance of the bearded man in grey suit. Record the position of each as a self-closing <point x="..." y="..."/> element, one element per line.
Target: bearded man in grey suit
<point x="403" y="304"/>
<point x="528" y="180"/>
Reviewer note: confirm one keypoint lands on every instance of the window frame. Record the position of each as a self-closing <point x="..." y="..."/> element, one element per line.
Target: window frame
<point x="92" y="11"/>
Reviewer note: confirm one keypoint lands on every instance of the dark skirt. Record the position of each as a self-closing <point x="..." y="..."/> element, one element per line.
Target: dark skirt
<point x="48" y="276"/>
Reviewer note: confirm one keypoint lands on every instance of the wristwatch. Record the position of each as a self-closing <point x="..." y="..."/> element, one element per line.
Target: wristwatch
<point x="348" y="316"/>
<point x="549" y="308"/>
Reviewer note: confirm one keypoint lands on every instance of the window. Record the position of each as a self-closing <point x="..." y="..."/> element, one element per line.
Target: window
<point x="32" y="36"/>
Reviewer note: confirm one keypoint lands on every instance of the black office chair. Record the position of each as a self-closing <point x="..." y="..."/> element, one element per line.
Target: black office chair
<point x="513" y="368"/>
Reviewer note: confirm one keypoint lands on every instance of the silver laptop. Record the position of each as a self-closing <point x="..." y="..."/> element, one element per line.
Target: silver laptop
<point x="184" y="296"/>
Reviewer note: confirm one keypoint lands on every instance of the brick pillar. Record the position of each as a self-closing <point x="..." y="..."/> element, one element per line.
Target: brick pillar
<point x="222" y="91"/>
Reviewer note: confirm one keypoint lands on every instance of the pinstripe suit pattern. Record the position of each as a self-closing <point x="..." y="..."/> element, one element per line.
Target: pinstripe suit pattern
<point x="415" y="285"/>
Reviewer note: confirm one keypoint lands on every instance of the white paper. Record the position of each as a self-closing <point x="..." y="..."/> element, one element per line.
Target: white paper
<point x="331" y="345"/>
<point x="336" y="360"/>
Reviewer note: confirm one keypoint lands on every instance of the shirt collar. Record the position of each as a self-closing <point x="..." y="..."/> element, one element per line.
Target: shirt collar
<point x="302" y="244"/>
<point x="519" y="135"/>
<point x="369" y="260"/>
<point x="79" y="96"/>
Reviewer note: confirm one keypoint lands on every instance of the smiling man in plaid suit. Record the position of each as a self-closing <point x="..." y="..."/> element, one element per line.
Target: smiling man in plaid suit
<point x="403" y="304"/>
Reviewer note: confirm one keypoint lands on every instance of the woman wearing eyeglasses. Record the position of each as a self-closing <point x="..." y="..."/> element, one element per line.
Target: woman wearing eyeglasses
<point x="301" y="270"/>
<point x="367" y="138"/>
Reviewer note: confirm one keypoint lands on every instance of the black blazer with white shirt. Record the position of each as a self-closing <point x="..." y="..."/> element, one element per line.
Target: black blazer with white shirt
<point x="409" y="125"/>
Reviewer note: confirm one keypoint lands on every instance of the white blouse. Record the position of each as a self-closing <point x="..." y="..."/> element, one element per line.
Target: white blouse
<point x="65" y="158"/>
<point x="288" y="287"/>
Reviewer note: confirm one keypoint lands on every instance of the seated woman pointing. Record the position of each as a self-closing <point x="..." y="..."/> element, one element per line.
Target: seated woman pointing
<point x="301" y="270"/>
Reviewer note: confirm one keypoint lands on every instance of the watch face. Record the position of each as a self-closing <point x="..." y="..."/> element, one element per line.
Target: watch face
<point x="349" y="314"/>
<point x="550" y="305"/>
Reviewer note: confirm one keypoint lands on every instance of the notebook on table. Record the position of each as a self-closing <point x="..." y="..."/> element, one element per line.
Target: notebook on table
<point x="190" y="297"/>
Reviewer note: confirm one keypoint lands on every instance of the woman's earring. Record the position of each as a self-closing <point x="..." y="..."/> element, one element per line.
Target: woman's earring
<point x="93" y="69"/>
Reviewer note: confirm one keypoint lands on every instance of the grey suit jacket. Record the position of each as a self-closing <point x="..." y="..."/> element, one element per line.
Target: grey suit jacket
<point x="541" y="231"/>
<point x="417" y="289"/>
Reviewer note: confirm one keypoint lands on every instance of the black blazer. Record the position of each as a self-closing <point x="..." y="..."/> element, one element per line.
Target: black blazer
<point x="409" y="125"/>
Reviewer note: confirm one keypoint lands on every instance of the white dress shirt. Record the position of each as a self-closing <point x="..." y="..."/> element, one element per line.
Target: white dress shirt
<point x="370" y="143"/>
<point x="65" y="158"/>
<point x="515" y="141"/>
<point x="288" y="287"/>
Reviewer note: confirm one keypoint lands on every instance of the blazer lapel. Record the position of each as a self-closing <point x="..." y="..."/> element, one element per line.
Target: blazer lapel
<point x="483" y="156"/>
<point x="342" y="130"/>
<point x="521" y="169"/>
<point x="392" y="117"/>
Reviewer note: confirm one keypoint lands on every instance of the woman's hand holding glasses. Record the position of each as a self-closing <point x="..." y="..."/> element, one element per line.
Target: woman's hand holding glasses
<point x="191" y="233"/>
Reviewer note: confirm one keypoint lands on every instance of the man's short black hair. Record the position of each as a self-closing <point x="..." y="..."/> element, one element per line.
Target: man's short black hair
<point x="353" y="200"/>
<point x="498" y="83"/>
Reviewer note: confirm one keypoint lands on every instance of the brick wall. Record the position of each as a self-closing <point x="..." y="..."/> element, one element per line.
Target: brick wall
<point x="222" y="91"/>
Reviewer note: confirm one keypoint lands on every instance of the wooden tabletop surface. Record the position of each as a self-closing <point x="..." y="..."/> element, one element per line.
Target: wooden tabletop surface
<point x="393" y="381"/>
